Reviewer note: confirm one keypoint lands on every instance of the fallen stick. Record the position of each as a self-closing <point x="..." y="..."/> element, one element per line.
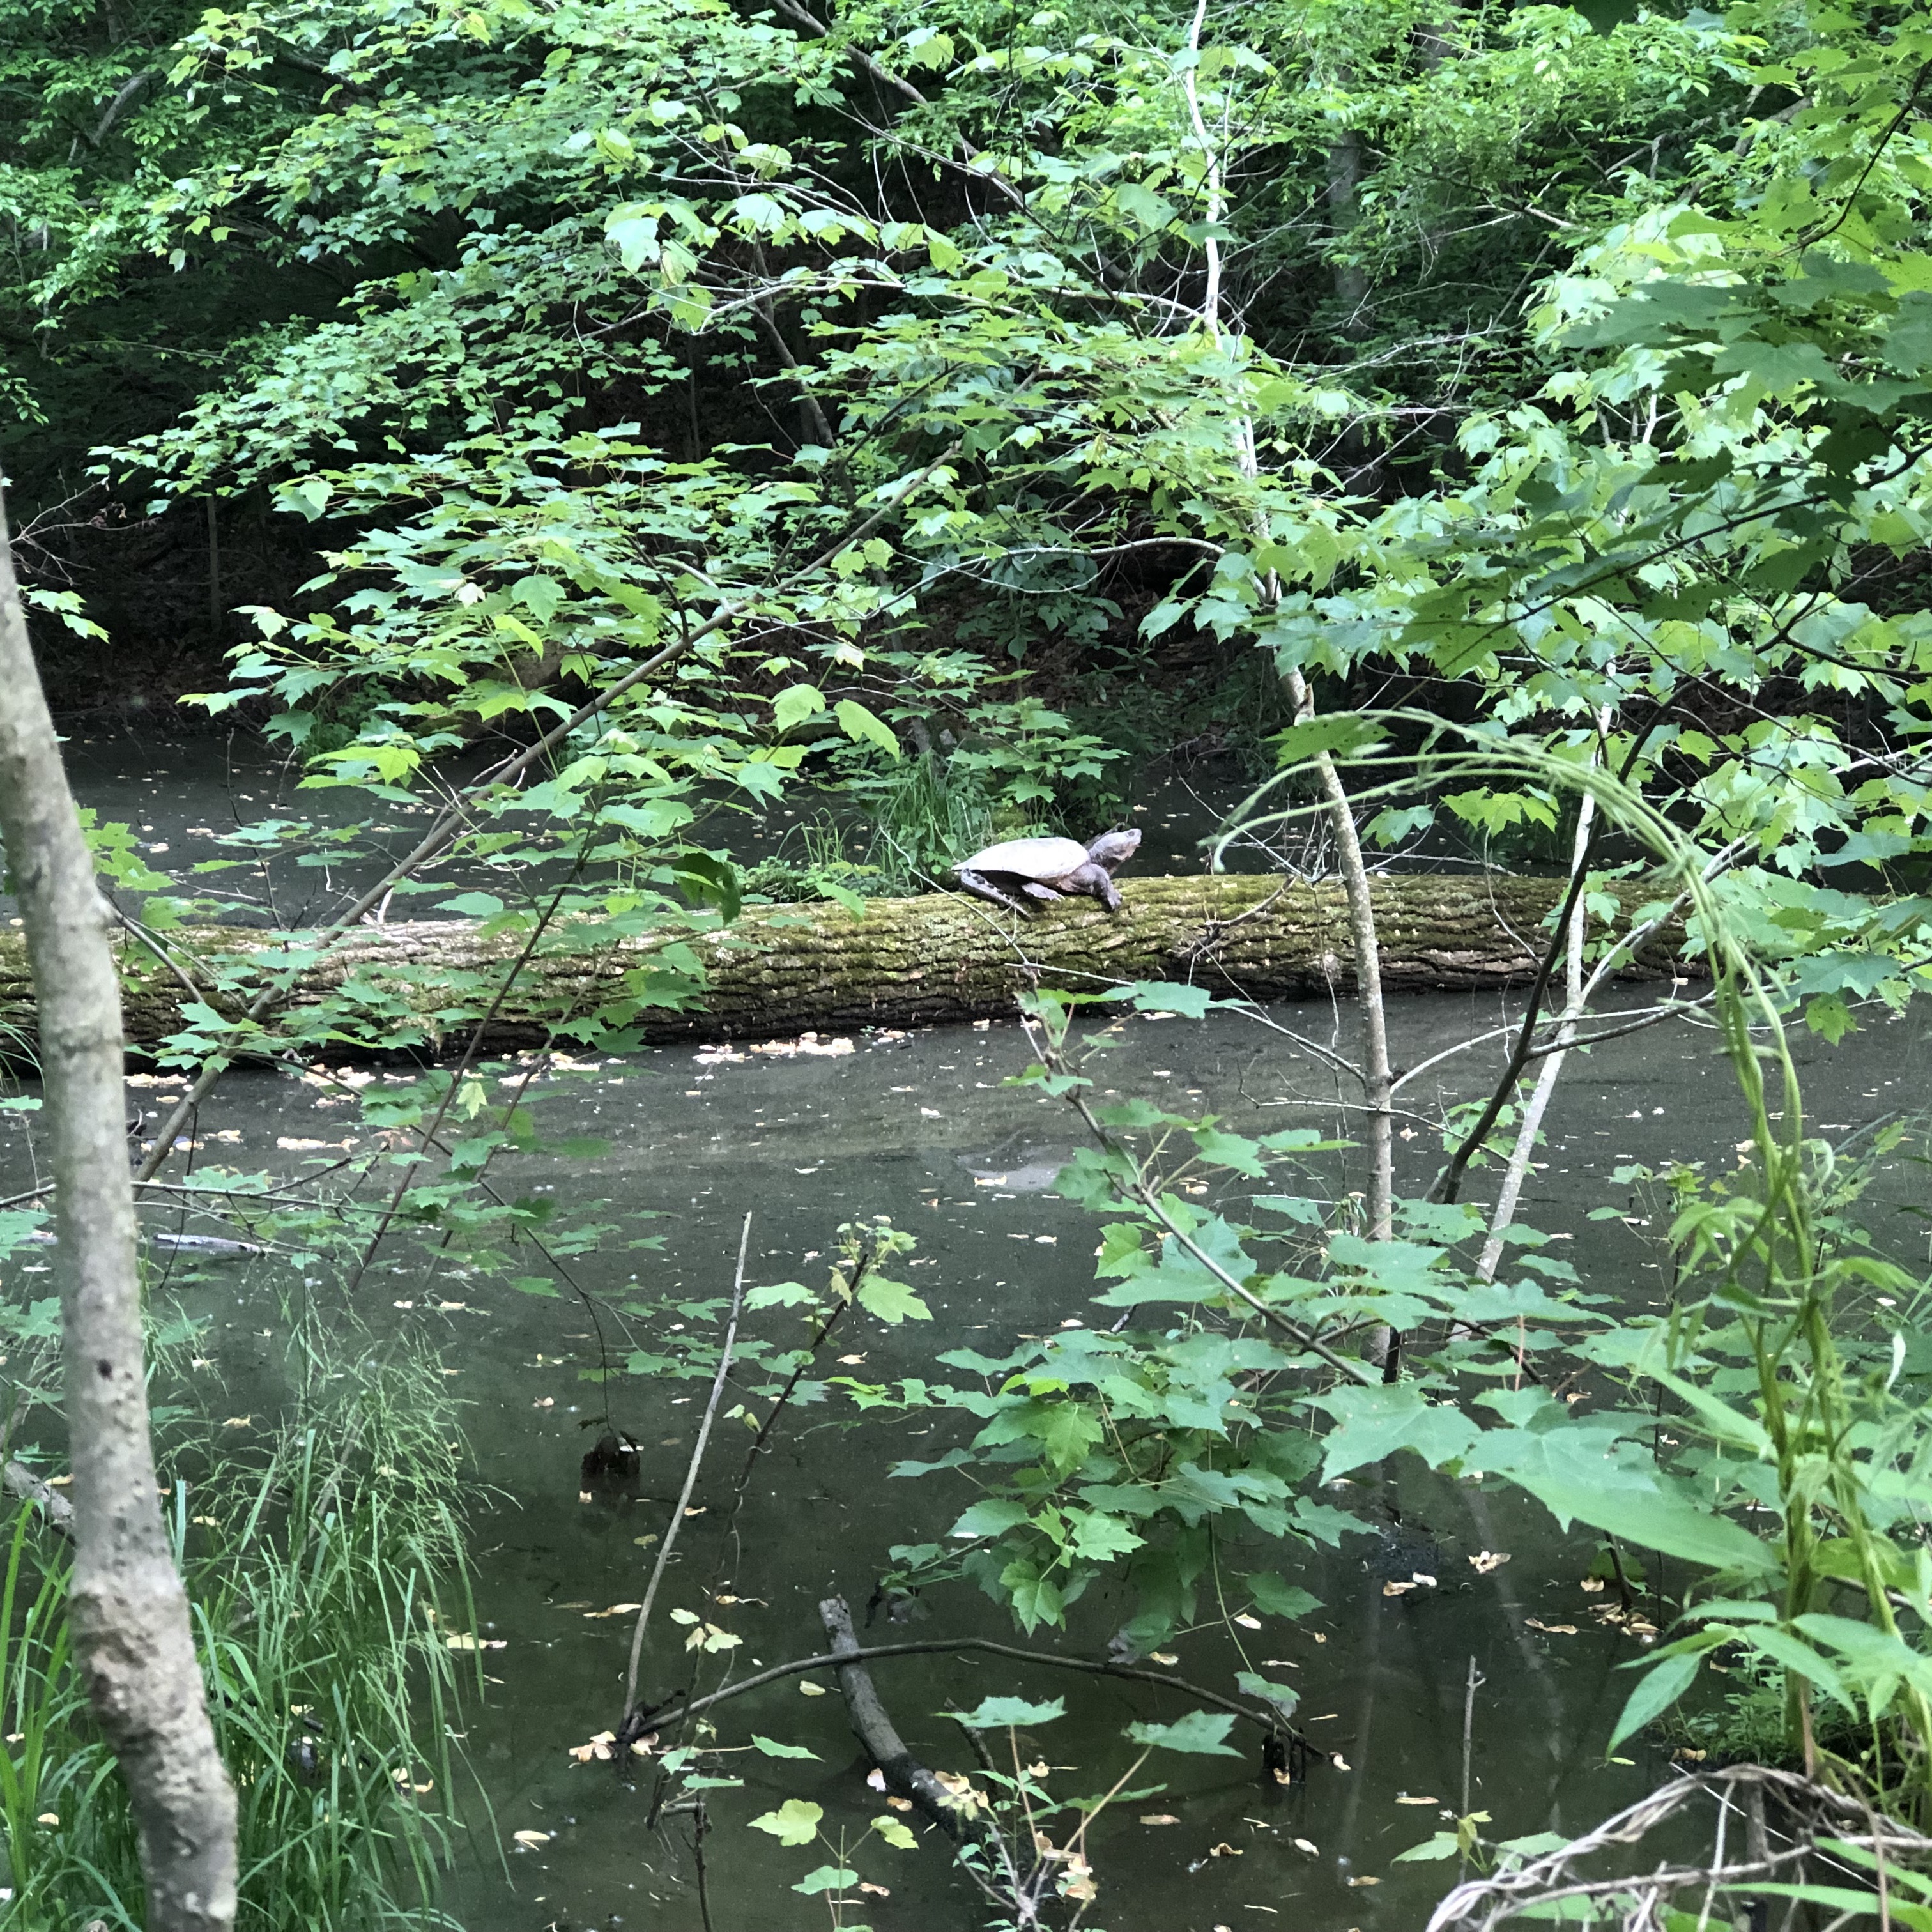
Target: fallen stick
<point x="20" y="1481"/>
<point x="1268" y="1723"/>
<point x="625" y="1730"/>
<point x="903" y="1774"/>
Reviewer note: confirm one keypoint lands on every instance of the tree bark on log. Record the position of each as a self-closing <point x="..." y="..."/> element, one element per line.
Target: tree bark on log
<point x="125" y="1604"/>
<point x="779" y="970"/>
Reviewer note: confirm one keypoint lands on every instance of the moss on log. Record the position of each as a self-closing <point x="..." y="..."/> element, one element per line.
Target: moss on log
<point x="786" y="969"/>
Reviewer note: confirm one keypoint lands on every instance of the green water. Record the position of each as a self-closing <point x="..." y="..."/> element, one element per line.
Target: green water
<point x="922" y="1130"/>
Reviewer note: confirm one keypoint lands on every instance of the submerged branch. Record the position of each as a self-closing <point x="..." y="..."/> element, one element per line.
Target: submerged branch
<point x="1265" y="1721"/>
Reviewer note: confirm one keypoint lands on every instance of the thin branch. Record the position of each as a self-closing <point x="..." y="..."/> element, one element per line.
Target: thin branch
<point x="21" y="1482"/>
<point x="942" y="1646"/>
<point x="1450" y="1180"/>
<point x="1302" y="1337"/>
<point x="1531" y="1125"/>
<point x="691" y="1472"/>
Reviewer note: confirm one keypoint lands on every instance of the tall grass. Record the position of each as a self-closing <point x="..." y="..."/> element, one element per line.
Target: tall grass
<point x="925" y="815"/>
<point x="320" y="1571"/>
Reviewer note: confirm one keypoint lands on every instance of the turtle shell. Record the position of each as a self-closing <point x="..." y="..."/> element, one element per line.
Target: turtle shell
<point x="1041" y="858"/>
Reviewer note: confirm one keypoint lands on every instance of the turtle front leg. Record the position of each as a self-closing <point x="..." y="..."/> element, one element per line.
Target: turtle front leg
<point x="1098" y="883"/>
<point x="982" y="887"/>
<point x="1034" y="890"/>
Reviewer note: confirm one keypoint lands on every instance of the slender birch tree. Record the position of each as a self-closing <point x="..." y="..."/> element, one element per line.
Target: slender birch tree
<point x="126" y="1604"/>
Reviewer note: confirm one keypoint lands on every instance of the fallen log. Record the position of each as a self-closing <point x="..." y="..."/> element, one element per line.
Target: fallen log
<point x="901" y="1773"/>
<point x="20" y="1482"/>
<point x="780" y="969"/>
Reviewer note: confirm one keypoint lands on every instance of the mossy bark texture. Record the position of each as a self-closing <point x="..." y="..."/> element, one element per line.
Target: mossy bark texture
<point x="787" y="969"/>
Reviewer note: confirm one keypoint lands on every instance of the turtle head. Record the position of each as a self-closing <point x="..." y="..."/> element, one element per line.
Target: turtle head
<point x="1112" y="849"/>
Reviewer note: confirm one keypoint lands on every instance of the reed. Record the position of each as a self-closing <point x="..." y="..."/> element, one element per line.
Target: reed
<point x="325" y="1570"/>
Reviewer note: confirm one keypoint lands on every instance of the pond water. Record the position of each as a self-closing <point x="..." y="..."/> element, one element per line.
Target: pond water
<point x="922" y="1130"/>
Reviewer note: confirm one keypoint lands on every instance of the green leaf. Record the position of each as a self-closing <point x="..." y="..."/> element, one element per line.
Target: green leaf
<point x="472" y="905"/>
<point x="896" y="1833"/>
<point x="311" y="496"/>
<point x="826" y="1878"/>
<point x="1309" y="1214"/>
<point x="1376" y="1422"/>
<point x="1843" y="1901"/>
<point x="863" y="727"/>
<point x="1335" y="732"/>
<point x="709" y="881"/>
<point x="1784" y="1648"/>
<point x="1035" y="1598"/>
<point x="1830" y="1017"/>
<point x="781" y="1295"/>
<point x="794" y="704"/>
<point x="1660" y="1687"/>
<point x="1875" y="1655"/>
<point x="1234" y="1150"/>
<point x="1444" y="1845"/>
<point x="993" y="1516"/>
<point x="996" y="1713"/>
<point x="794" y="1822"/>
<point x="772" y="1748"/>
<point x="1575" y="1474"/>
<point x="1159" y="996"/>
<point x="1279" y="1599"/>
<point x="891" y="1301"/>
<point x="1283" y="1696"/>
<point x="1142" y="206"/>
<point x="1096" y="1535"/>
<point x="1725" y="1424"/>
<point x="1201" y="1733"/>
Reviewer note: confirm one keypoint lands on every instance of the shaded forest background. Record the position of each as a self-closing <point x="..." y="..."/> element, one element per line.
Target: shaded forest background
<point x="243" y="248"/>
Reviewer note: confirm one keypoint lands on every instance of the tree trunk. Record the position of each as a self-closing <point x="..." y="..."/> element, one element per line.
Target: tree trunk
<point x="1344" y="188"/>
<point x="125" y="1602"/>
<point x="1376" y="1074"/>
<point x="784" y="969"/>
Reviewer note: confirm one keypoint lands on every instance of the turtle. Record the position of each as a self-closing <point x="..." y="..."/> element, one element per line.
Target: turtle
<point x="1048" y="869"/>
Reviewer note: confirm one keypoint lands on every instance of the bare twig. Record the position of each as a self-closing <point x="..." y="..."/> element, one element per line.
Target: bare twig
<point x="1377" y="1076"/>
<point x="1517" y="1169"/>
<point x="1589" y="830"/>
<point x="20" y="1481"/>
<point x="1469" y="1728"/>
<point x="1146" y="1198"/>
<point x="404" y="1180"/>
<point x="691" y="1472"/>
<point x="940" y="1646"/>
<point x="1815" y="1819"/>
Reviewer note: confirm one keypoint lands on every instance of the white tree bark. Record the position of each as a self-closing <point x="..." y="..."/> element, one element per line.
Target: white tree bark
<point x="126" y="1607"/>
<point x="1510" y="1195"/>
<point x="1378" y="1079"/>
<point x="1377" y="1076"/>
